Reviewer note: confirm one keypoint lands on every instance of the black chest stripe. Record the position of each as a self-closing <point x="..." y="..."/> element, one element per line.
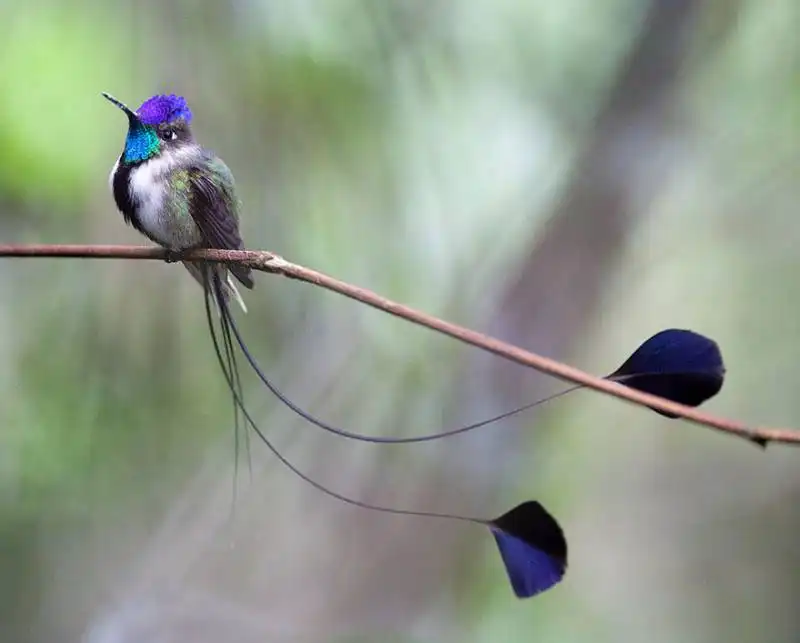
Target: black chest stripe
<point x="122" y="195"/>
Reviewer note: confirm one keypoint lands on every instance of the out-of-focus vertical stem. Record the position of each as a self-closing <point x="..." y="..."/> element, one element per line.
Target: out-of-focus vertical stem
<point x="555" y="294"/>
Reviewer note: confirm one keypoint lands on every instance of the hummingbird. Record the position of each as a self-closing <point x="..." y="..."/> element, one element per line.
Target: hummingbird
<point x="182" y="196"/>
<point x="176" y="192"/>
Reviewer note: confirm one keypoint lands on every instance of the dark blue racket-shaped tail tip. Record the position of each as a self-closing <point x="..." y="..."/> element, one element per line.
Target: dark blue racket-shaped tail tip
<point x="533" y="548"/>
<point x="680" y="365"/>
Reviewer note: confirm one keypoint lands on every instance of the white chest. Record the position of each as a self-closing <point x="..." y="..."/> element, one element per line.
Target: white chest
<point x="155" y="209"/>
<point x="148" y="188"/>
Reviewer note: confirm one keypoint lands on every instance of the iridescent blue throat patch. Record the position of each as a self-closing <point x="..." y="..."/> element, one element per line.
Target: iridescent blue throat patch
<point x="141" y="144"/>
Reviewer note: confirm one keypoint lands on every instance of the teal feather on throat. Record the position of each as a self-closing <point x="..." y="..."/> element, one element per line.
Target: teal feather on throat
<point x="141" y="144"/>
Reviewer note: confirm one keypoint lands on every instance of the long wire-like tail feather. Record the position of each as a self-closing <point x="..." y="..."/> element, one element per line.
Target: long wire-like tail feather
<point x="531" y="542"/>
<point x="231" y="369"/>
<point x="227" y="321"/>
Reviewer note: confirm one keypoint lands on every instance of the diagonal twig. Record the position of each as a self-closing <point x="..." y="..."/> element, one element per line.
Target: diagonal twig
<point x="272" y="263"/>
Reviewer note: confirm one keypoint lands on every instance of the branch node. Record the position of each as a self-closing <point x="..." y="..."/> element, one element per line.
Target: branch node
<point x="273" y="263"/>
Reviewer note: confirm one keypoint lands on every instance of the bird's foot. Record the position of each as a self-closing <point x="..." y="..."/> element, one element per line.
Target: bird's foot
<point x="172" y="256"/>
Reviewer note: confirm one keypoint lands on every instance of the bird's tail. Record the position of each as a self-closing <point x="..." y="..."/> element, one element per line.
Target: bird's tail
<point x="229" y="287"/>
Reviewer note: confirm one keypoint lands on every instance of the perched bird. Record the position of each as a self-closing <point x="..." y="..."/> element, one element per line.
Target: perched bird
<point x="182" y="196"/>
<point x="174" y="191"/>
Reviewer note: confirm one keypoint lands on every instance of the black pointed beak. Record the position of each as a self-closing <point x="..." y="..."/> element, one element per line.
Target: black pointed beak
<point x="133" y="119"/>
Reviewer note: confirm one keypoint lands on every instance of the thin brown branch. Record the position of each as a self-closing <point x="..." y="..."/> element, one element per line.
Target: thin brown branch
<point x="272" y="263"/>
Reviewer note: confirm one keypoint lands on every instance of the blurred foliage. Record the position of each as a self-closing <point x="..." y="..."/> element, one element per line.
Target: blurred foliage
<point x="400" y="145"/>
<point x="45" y="105"/>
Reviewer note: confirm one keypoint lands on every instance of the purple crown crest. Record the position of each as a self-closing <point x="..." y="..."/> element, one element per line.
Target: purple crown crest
<point x="163" y="109"/>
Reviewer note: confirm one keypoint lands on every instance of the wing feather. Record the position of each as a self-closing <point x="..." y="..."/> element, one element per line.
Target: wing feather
<point x="214" y="208"/>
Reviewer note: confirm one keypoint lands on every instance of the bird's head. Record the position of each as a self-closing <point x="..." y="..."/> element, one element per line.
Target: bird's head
<point x="160" y="124"/>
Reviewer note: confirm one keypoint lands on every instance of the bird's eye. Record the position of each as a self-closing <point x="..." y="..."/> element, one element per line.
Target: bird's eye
<point x="168" y="134"/>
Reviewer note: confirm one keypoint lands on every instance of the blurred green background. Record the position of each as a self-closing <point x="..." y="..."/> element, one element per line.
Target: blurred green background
<point x="569" y="176"/>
